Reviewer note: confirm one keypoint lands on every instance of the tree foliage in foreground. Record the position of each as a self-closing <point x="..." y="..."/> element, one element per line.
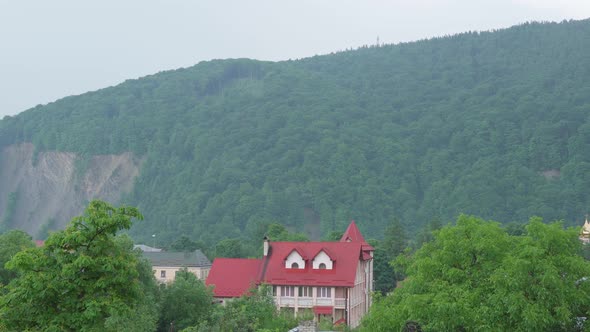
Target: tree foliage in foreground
<point x="185" y="302"/>
<point x="253" y="312"/>
<point x="11" y="243"/>
<point x="474" y="276"/>
<point x="85" y="278"/>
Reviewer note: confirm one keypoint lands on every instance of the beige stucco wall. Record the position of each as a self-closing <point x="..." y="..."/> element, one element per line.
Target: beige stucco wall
<point x="359" y="295"/>
<point x="170" y="272"/>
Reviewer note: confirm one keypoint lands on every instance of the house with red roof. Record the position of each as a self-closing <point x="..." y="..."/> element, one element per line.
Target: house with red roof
<point x="330" y="279"/>
<point x="233" y="277"/>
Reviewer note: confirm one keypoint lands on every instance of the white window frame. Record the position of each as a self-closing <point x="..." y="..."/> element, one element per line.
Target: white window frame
<point x="288" y="291"/>
<point x="324" y="292"/>
<point x="305" y="291"/>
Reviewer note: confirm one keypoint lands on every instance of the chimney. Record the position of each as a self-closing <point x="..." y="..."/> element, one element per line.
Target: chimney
<point x="266" y="246"/>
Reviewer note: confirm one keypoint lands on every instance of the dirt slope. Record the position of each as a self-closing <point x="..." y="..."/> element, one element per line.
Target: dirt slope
<point x="55" y="187"/>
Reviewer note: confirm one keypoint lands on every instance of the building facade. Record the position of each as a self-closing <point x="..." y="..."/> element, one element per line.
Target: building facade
<point x="165" y="265"/>
<point x="332" y="280"/>
<point x="585" y="232"/>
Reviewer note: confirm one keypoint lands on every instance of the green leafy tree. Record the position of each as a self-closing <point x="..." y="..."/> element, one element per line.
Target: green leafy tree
<point x="145" y="316"/>
<point x="9" y="211"/>
<point x="385" y="278"/>
<point x="83" y="279"/>
<point x="513" y="228"/>
<point x="185" y="302"/>
<point x="395" y="239"/>
<point x="278" y="232"/>
<point x="185" y="244"/>
<point x="11" y="243"/>
<point x="333" y="236"/>
<point x="255" y="311"/>
<point x="476" y="277"/>
<point x="427" y="233"/>
<point x="230" y="248"/>
<point x="394" y="242"/>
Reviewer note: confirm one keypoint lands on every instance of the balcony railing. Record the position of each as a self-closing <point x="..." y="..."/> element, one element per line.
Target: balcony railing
<point x="305" y="301"/>
<point x="308" y="302"/>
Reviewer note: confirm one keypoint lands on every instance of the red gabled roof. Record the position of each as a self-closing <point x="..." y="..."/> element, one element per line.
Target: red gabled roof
<point x="233" y="277"/>
<point x="326" y="251"/>
<point x="345" y="255"/>
<point x="352" y="234"/>
<point x="299" y="251"/>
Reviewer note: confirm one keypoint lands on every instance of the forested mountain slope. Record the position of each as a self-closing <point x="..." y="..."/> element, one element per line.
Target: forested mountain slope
<point x="495" y="124"/>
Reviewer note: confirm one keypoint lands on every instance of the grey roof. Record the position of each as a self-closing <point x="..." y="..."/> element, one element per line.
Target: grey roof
<point x="178" y="259"/>
<point x="145" y="248"/>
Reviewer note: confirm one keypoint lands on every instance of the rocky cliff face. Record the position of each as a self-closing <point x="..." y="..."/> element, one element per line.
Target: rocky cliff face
<point x="40" y="192"/>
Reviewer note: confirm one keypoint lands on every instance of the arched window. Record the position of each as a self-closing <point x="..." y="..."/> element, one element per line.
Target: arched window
<point x="322" y="266"/>
<point x="294" y="265"/>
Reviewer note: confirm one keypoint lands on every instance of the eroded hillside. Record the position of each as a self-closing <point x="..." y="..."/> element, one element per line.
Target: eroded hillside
<point x="43" y="191"/>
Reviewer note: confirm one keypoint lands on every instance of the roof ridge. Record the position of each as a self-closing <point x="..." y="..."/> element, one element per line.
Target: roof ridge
<point x="264" y="265"/>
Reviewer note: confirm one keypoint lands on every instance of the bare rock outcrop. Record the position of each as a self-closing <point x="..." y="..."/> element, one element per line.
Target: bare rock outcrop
<point x="51" y="187"/>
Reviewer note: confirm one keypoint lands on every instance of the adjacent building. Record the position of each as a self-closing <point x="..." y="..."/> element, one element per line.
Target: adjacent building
<point x="585" y="232"/>
<point x="233" y="277"/>
<point x="165" y="265"/>
<point x="145" y="248"/>
<point x="330" y="279"/>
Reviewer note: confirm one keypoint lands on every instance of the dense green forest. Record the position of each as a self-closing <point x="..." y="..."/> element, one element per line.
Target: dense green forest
<point x="494" y="124"/>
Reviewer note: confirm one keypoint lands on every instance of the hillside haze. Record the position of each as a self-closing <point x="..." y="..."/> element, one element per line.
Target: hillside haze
<point x="494" y="124"/>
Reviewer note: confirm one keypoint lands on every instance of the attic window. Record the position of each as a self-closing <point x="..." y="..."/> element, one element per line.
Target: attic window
<point x="294" y="260"/>
<point x="323" y="261"/>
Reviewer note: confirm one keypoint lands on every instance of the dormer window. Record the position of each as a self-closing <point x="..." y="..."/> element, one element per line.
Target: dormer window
<point x="295" y="260"/>
<point x="323" y="261"/>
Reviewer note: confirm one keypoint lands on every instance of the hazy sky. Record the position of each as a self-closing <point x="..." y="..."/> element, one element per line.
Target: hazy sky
<point x="52" y="49"/>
